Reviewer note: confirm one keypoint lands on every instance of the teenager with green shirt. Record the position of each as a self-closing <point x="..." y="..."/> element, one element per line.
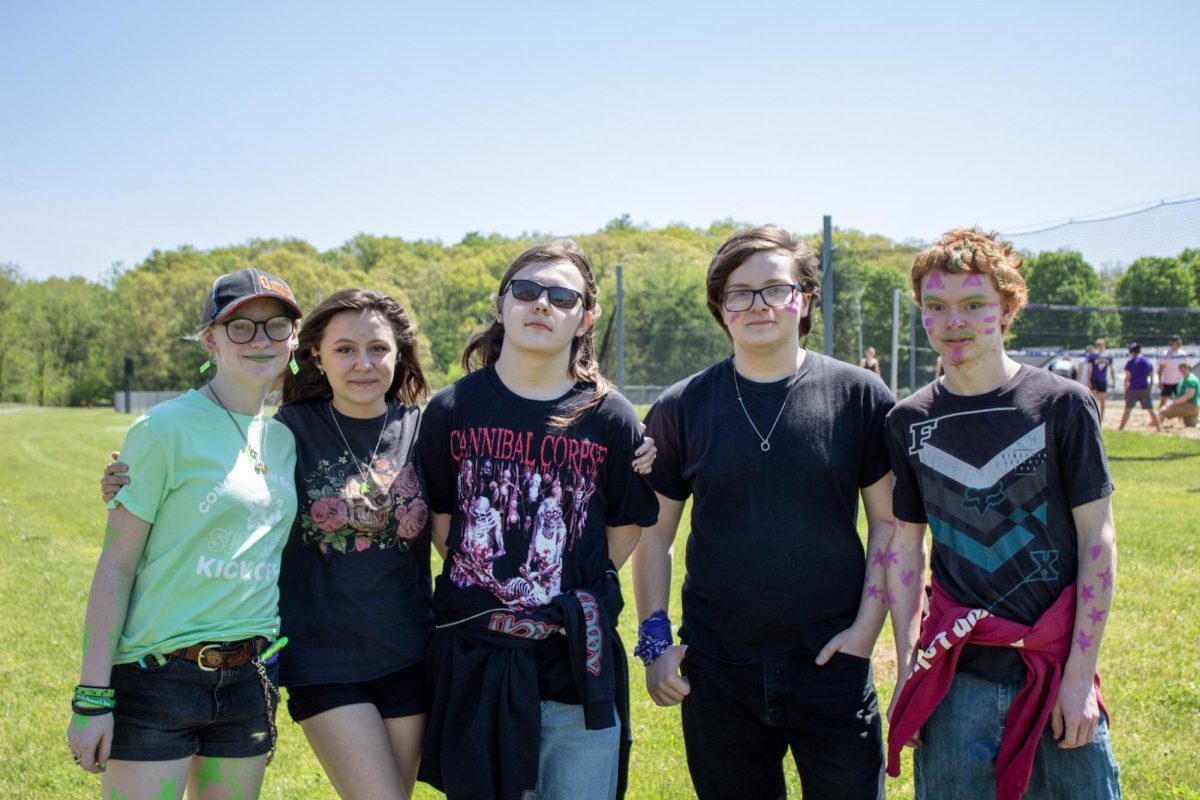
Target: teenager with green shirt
<point x="1186" y="403"/>
<point x="184" y="600"/>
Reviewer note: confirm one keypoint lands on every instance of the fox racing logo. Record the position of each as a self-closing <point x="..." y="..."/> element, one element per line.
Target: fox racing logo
<point x="980" y="500"/>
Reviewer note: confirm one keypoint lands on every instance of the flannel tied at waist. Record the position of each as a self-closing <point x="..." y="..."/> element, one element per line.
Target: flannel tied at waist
<point x="1044" y="647"/>
<point x="485" y="721"/>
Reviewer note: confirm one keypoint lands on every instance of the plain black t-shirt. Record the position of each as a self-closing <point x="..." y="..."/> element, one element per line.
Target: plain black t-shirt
<point x="774" y="561"/>
<point x="354" y="585"/>
<point x="530" y="503"/>
<point x="996" y="476"/>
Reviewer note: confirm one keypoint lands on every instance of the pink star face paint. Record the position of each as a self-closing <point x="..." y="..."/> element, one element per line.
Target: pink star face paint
<point x="734" y="316"/>
<point x="795" y="305"/>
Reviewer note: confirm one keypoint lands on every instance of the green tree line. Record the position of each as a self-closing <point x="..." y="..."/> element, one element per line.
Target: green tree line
<point x="64" y="341"/>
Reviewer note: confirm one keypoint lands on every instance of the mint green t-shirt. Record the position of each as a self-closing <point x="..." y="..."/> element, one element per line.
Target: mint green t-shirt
<point x="1190" y="382"/>
<point x="210" y="568"/>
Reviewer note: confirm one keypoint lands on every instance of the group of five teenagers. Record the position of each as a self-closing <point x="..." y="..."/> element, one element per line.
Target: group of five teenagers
<point x="535" y="507"/>
<point x="173" y="690"/>
<point x="781" y="608"/>
<point x="1005" y="464"/>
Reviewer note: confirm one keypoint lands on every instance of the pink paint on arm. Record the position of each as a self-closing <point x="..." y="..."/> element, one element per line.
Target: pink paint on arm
<point x="879" y="558"/>
<point x="1095" y="551"/>
<point x="1097" y="616"/>
<point x="892" y="557"/>
<point x="1084" y="640"/>
<point x="907" y="577"/>
<point x="1107" y="577"/>
<point x="1086" y="594"/>
<point x="873" y="591"/>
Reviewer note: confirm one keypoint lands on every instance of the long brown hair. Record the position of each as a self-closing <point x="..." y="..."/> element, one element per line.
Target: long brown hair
<point x="484" y="347"/>
<point x="309" y="385"/>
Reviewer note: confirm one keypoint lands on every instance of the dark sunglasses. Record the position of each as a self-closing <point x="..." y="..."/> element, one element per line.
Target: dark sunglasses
<point x="242" y="330"/>
<point x="529" y="291"/>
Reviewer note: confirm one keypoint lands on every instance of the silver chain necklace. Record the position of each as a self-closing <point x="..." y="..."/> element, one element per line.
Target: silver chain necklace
<point x="259" y="466"/>
<point x="765" y="444"/>
<point x="363" y="471"/>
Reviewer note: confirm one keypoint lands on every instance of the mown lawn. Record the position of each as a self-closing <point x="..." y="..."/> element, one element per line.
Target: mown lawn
<point x="51" y="527"/>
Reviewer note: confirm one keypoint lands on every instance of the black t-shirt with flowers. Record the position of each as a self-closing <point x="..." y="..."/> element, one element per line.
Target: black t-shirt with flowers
<point x="354" y="584"/>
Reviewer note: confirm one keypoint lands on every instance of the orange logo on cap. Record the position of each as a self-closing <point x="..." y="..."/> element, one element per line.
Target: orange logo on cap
<point x="274" y="286"/>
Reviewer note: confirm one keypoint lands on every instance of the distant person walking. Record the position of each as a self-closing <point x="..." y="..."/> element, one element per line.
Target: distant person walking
<point x="1138" y="370"/>
<point x="1085" y="364"/>
<point x="1099" y="373"/>
<point x="1169" y="374"/>
<point x="1186" y="404"/>
<point x="869" y="361"/>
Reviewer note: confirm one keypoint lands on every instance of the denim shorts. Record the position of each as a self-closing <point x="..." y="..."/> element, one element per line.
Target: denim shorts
<point x="740" y="720"/>
<point x="962" y="738"/>
<point x="397" y="694"/>
<point x="176" y="709"/>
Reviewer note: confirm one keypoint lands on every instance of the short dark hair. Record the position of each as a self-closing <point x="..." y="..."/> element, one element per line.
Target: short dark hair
<point x="764" y="239"/>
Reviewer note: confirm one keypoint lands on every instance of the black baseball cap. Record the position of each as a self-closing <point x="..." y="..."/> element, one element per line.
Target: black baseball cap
<point x="1134" y="347"/>
<point x="229" y="292"/>
<point x="1177" y="338"/>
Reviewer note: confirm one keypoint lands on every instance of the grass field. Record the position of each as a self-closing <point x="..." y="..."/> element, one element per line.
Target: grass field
<point x="51" y="527"/>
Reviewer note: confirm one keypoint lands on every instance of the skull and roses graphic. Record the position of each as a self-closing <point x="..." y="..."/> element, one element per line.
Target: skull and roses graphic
<point x="349" y="511"/>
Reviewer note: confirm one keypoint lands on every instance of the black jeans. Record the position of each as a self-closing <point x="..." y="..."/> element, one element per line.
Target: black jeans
<point x="740" y="720"/>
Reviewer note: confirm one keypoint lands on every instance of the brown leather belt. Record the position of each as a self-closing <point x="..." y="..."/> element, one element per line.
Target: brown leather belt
<point x="212" y="656"/>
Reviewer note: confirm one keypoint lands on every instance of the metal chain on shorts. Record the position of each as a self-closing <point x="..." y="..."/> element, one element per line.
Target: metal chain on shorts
<point x="269" y="689"/>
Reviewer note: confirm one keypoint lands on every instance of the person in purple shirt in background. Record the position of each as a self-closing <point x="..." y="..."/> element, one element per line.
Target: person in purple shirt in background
<point x="1138" y="370"/>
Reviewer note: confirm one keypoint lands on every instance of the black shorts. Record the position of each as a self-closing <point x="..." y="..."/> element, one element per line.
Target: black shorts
<point x="1099" y="386"/>
<point x="398" y="694"/>
<point x="1167" y="389"/>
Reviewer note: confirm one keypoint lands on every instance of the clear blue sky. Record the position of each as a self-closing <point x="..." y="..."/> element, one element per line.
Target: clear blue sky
<point x="130" y="126"/>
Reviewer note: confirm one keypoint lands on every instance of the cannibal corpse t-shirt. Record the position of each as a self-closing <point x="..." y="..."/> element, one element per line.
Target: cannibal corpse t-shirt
<point x="530" y="502"/>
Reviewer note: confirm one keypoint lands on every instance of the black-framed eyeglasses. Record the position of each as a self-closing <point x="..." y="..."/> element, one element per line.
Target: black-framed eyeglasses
<point x="528" y="291"/>
<point x="241" y="330"/>
<point x="775" y="296"/>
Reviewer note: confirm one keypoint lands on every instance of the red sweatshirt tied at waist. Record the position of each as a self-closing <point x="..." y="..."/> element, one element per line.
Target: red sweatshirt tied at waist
<point x="1044" y="647"/>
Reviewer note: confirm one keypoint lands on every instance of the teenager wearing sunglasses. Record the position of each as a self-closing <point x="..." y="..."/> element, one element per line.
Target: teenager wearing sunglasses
<point x="535" y="507"/>
<point x="173" y="689"/>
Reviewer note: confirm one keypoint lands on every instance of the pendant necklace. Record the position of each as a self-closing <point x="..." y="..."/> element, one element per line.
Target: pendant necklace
<point x="765" y="441"/>
<point x="364" y="472"/>
<point x="259" y="466"/>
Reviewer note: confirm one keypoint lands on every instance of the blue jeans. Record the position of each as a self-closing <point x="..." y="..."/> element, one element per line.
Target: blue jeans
<point x="573" y="762"/>
<point x="962" y="739"/>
